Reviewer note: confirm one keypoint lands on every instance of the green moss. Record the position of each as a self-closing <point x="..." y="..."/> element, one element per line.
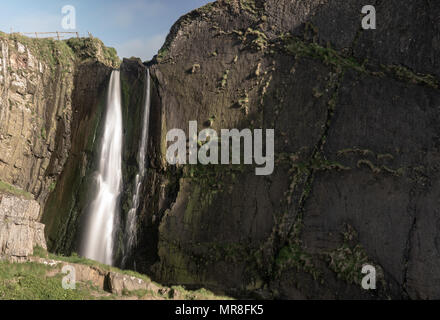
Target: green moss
<point x="10" y="189"/>
<point x="163" y="52"/>
<point x="293" y="255"/>
<point x="43" y="133"/>
<point x="94" y="49"/>
<point x="328" y="55"/>
<point x="347" y="261"/>
<point x="406" y="75"/>
<point x="385" y="156"/>
<point x="52" y="186"/>
<point x="53" y="53"/>
<point x="35" y="281"/>
<point x="363" y="152"/>
<point x="201" y="294"/>
<point x="249" y="6"/>
<point x="224" y="81"/>
<point x="207" y="8"/>
<point x="257" y="38"/>
<point x="243" y="102"/>
<point x="369" y="164"/>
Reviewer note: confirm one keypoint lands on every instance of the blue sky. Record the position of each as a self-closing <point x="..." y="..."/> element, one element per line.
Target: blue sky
<point x="134" y="27"/>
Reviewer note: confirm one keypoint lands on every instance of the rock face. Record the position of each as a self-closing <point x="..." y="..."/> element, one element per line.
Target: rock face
<point x="35" y="115"/>
<point x="357" y="138"/>
<point x="20" y="230"/>
<point x="37" y="78"/>
<point x="357" y="141"/>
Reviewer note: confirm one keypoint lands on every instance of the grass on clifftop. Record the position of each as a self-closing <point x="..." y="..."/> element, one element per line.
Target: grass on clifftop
<point x="63" y="52"/>
<point x="10" y="189"/>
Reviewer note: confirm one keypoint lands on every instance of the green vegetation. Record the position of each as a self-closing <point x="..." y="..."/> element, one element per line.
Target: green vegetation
<point x="43" y="133"/>
<point x="32" y="281"/>
<point x="243" y="102"/>
<point x="10" y="189"/>
<point x="328" y="55"/>
<point x="63" y="53"/>
<point x="75" y="258"/>
<point x="249" y="6"/>
<point x="224" y="81"/>
<point x="93" y="48"/>
<point x="363" y="152"/>
<point x="38" y="281"/>
<point x="258" y="39"/>
<point x="163" y="52"/>
<point x="180" y="293"/>
<point x="406" y="75"/>
<point x="369" y="164"/>
<point x="338" y="60"/>
<point x="211" y="120"/>
<point x="53" y="53"/>
<point x="294" y="256"/>
<point x="52" y="186"/>
<point x="347" y="261"/>
<point x="195" y="68"/>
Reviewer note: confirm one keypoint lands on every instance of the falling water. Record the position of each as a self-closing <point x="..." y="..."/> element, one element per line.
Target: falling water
<point x="131" y="224"/>
<point x="98" y="237"/>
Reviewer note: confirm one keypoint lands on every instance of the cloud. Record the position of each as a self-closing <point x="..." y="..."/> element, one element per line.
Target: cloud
<point x="142" y="48"/>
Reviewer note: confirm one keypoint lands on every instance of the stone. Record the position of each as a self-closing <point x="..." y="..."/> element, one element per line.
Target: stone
<point x="19" y="230"/>
<point x="119" y="283"/>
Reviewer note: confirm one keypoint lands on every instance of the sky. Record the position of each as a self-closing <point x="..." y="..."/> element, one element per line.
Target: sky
<point x="134" y="27"/>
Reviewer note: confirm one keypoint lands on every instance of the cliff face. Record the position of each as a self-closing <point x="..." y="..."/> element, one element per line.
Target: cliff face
<point x="65" y="208"/>
<point x="50" y="109"/>
<point x="37" y="79"/>
<point x="356" y="181"/>
<point x="35" y="114"/>
<point x="357" y="141"/>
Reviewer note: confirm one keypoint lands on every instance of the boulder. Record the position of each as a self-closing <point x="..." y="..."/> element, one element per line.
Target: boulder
<point x="20" y="230"/>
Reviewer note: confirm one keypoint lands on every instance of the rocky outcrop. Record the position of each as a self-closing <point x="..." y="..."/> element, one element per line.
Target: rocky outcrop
<point x="355" y="114"/>
<point x="20" y="230"/>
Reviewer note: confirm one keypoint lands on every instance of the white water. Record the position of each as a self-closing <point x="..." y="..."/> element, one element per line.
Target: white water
<point x="131" y="225"/>
<point x="98" y="238"/>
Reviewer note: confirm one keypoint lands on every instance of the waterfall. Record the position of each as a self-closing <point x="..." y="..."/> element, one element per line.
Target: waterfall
<point x="97" y="241"/>
<point x="131" y="223"/>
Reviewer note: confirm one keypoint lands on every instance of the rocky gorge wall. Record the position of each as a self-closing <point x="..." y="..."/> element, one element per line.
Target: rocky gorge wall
<point x="355" y="114"/>
<point x="49" y="110"/>
<point x="356" y="180"/>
